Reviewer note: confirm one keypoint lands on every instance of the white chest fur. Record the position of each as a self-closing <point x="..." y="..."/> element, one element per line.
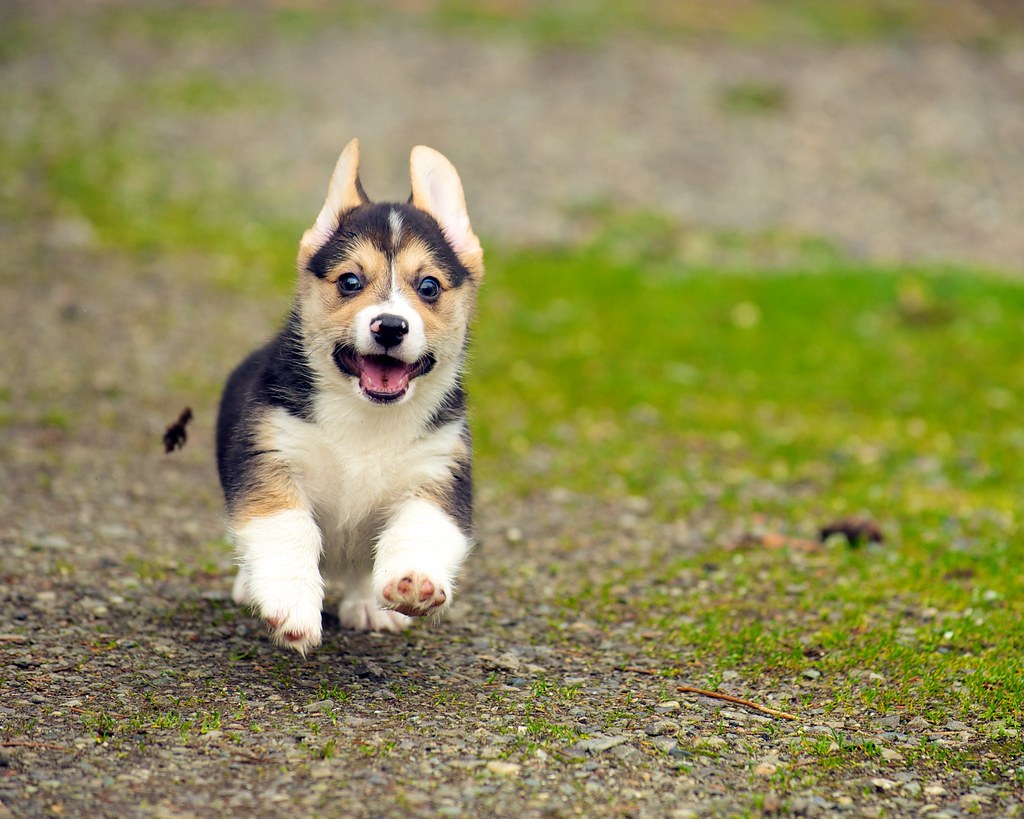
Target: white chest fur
<point x="355" y="464"/>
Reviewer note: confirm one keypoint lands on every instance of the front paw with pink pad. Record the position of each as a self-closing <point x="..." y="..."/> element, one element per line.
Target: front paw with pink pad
<point x="297" y="627"/>
<point x="414" y="594"/>
<point x="279" y="575"/>
<point x="291" y="611"/>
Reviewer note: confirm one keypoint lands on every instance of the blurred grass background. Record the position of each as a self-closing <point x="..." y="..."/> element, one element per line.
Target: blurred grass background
<point x="587" y="21"/>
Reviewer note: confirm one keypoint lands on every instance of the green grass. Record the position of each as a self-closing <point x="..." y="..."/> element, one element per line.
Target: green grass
<point x="772" y="401"/>
<point x="753" y="98"/>
<point x="827" y="377"/>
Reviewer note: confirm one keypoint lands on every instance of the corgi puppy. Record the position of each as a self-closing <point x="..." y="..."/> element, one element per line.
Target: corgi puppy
<point x="342" y="445"/>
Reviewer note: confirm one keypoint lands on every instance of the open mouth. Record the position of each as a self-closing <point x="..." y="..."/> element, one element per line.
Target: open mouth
<point x="382" y="378"/>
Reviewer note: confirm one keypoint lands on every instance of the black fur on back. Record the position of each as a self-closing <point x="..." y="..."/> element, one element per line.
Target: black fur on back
<point x="275" y="375"/>
<point x="458" y="500"/>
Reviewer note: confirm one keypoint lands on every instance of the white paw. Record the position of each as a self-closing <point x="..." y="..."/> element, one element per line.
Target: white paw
<point x="417" y="560"/>
<point x="291" y="608"/>
<point x="414" y="593"/>
<point x="364" y="615"/>
<point x="296" y="626"/>
<point x="280" y="576"/>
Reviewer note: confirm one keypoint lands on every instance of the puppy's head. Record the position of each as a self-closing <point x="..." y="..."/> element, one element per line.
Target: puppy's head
<point x="386" y="291"/>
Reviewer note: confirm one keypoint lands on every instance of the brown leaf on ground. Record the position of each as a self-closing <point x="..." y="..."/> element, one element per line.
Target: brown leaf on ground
<point x="855" y="530"/>
<point x="176" y="434"/>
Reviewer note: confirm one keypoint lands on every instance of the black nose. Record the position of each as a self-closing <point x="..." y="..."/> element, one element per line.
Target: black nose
<point x="389" y="330"/>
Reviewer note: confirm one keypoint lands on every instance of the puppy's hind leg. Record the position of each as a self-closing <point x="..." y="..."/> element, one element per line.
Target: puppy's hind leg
<point x="359" y="610"/>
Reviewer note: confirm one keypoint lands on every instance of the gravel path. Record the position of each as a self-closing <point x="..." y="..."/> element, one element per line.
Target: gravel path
<point x="129" y="684"/>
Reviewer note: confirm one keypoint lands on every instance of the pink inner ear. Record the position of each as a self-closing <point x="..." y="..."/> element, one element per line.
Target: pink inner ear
<point x="318" y="235"/>
<point x="342" y="193"/>
<point x="465" y="242"/>
<point x="438" y="190"/>
<point x="450" y="213"/>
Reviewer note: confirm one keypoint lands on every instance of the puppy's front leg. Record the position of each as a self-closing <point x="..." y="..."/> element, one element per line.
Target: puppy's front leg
<point x="418" y="558"/>
<point x="279" y="574"/>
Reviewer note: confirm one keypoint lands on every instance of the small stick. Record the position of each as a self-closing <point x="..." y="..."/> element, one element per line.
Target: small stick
<point x="13" y="638"/>
<point x="252" y="760"/>
<point x="716" y="696"/>
<point x="88" y="712"/>
<point x="690" y="689"/>
<point x="21" y="743"/>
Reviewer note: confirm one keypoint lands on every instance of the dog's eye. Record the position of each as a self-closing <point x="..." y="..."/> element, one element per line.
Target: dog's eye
<point x="349" y="283"/>
<point x="429" y="289"/>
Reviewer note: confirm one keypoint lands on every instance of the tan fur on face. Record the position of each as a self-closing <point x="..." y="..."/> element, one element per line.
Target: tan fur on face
<point x="451" y="312"/>
<point x="330" y="316"/>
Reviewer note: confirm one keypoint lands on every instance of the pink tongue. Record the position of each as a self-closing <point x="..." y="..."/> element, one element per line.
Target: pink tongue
<point x="383" y="377"/>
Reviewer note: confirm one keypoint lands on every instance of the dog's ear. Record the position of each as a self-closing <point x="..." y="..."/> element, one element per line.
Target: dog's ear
<point x="344" y="193"/>
<point x="436" y="188"/>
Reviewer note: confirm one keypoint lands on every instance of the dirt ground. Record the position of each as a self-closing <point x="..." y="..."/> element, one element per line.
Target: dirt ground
<point x="129" y="683"/>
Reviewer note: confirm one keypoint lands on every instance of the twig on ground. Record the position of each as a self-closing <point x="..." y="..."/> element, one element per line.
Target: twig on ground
<point x="89" y="712"/>
<point x="24" y="743"/>
<point x="13" y="638"/>
<point x="747" y="703"/>
<point x="250" y="759"/>
<point x="704" y="693"/>
<point x="651" y="672"/>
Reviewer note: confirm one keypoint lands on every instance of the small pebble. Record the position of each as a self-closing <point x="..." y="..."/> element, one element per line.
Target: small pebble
<point x="56" y="542"/>
<point x="599" y="744"/>
<point x="502" y="768"/>
<point x="661" y="727"/>
<point x="322" y="770"/>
